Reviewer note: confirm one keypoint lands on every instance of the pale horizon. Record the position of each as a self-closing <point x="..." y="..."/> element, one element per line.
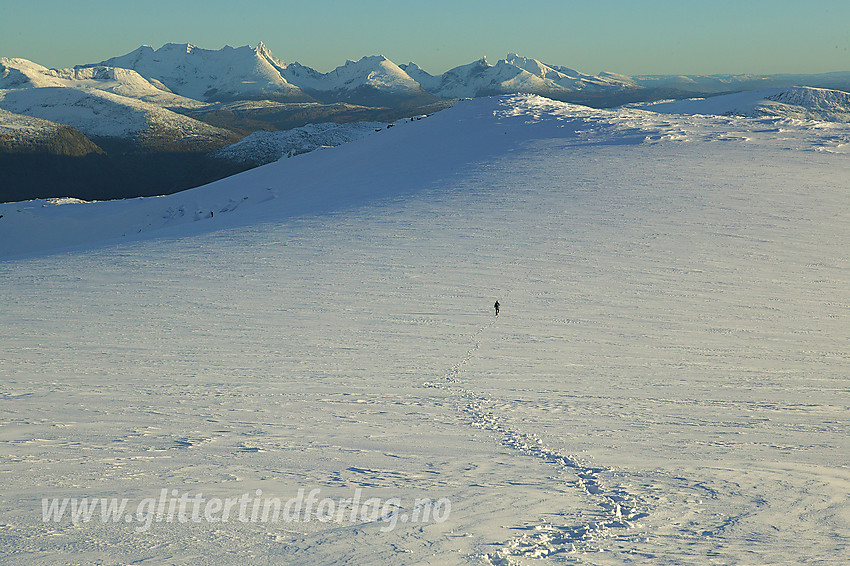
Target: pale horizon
<point x="653" y="38"/>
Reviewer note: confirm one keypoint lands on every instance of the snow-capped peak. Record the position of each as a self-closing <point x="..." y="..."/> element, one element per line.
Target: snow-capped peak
<point x="24" y="74"/>
<point x="516" y="74"/>
<point x="187" y="48"/>
<point x="261" y="49"/>
<point x="428" y="81"/>
<point x="374" y="70"/>
<point x="371" y="80"/>
<point x="533" y="66"/>
<point x="226" y="74"/>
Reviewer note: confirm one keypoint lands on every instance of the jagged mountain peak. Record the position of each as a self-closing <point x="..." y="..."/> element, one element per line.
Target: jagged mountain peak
<point x="24" y="74"/>
<point x="428" y="81"/>
<point x="254" y="73"/>
<point x="368" y="59"/>
<point x="530" y="65"/>
<point x="374" y="71"/>
<point x="514" y="59"/>
<point x="187" y="48"/>
<point x="518" y="74"/>
<point x="213" y="75"/>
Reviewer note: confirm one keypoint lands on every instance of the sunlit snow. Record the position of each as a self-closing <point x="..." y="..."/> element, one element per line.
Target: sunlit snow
<point x="666" y="382"/>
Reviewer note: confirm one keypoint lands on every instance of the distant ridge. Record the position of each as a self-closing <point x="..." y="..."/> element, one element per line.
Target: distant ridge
<point x="247" y="73"/>
<point x="799" y="102"/>
<point x="155" y="119"/>
<point x="228" y="74"/>
<point x="254" y="73"/>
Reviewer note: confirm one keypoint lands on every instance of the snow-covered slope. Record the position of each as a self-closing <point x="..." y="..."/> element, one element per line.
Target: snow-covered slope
<point x="105" y="102"/>
<point x="23" y="74"/>
<point x="374" y="71"/>
<point x="420" y="150"/>
<point x="810" y="104"/>
<point x="254" y="73"/>
<point x="265" y="147"/>
<point x="20" y="134"/>
<point x="428" y="81"/>
<point x="666" y="383"/>
<point x="568" y="78"/>
<point x="370" y="81"/>
<point x="705" y="84"/>
<point x="102" y="114"/>
<point x="803" y="103"/>
<point x="464" y="81"/>
<point x="212" y="75"/>
<point x="515" y="74"/>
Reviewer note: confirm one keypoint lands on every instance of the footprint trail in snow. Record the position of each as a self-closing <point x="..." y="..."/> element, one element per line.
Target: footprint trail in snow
<point x="618" y="510"/>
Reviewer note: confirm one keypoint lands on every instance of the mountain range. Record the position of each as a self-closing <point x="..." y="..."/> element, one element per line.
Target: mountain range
<point x="154" y="119"/>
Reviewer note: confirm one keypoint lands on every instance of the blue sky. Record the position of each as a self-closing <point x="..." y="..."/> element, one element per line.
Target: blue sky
<point x="625" y="36"/>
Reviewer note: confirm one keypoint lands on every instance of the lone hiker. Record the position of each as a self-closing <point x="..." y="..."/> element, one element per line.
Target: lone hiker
<point x="496" y="306"/>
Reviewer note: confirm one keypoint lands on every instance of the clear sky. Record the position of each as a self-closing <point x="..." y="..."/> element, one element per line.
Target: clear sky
<point x="624" y="36"/>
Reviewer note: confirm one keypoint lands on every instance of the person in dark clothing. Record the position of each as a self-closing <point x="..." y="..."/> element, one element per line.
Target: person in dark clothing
<point x="496" y="306"/>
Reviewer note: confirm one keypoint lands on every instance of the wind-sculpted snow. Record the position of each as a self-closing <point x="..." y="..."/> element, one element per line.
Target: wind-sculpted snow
<point x="619" y="510"/>
<point x="665" y="384"/>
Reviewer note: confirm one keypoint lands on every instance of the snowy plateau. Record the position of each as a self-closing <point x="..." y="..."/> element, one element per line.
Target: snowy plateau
<point x="157" y="121"/>
<point x="666" y="382"/>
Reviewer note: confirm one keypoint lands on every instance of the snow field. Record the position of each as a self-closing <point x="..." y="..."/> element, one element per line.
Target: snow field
<point x="665" y="383"/>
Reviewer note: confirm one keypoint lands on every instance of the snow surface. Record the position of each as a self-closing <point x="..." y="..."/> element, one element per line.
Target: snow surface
<point x="731" y="83"/>
<point x="100" y="113"/>
<point x="15" y="125"/>
<point x="18" y="74"/>
<point x="514" y="74"/>
<point x="802" y="103"/>
<point x="666" y="383"/>
<point x="204" y="74"/>
<point x="264" y="147"/>
<point x="428" y="81"/>
<point x="374" y="71"/>
<point x="250" y="73"/>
